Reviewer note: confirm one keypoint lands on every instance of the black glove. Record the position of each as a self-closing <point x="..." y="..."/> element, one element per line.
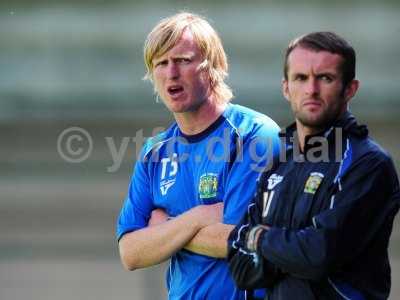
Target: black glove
<point x="251" y="271"/>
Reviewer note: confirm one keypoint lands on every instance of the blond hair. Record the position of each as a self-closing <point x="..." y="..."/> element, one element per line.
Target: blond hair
<point x="167" y="33"/>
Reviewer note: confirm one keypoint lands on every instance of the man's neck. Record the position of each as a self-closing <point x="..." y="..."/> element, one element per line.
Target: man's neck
<point x="194" y="122"/>
<point x="303" y="131"/>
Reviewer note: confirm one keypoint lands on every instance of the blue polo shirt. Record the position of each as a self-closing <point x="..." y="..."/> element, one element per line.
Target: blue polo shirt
<point x="177" y="172"/>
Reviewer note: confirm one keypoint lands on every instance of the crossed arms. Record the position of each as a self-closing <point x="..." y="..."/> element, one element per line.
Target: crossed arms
<point x="199" y="230"/>
<point x="203" y="229"/>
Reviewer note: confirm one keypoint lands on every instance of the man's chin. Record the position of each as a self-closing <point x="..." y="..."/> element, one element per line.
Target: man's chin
<point x="313" y="121"/>
<point x="176" y="107"/>
<point x="185" y="108"/>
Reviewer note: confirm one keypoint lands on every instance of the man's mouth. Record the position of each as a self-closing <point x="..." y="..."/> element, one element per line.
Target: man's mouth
<point x="312" y="103"/>
<point x="175" y="90"/>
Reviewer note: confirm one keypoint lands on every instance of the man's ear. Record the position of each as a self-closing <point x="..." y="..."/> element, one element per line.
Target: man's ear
<point x="285" y="89"/>
<point x="351" y="90"/>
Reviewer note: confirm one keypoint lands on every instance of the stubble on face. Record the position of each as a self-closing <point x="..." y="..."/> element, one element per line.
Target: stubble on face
<point x="314" y="88"/>
<point x="320" y="120"/>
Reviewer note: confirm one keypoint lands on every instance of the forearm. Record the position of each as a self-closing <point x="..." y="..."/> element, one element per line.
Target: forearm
<point x="153" y="245"/>
<point x="211" y="240"/>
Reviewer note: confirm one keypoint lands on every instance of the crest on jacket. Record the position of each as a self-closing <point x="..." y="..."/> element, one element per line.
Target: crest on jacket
<point x="313" y="182"/>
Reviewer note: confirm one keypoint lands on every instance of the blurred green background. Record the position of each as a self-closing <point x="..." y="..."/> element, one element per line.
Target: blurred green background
<point x="79" y="63"/>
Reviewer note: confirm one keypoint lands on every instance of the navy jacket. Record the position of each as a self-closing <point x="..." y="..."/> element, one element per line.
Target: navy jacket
<point x="330" y="211"/>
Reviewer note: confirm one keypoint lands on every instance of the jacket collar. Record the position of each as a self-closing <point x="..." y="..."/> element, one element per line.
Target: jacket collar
<point x="347" y="122"/>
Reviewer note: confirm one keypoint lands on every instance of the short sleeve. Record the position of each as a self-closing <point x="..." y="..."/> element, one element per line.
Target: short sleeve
<point x="138" y="203"/>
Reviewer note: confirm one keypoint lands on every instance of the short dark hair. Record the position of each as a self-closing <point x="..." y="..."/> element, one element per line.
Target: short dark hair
<point x="326" y="41"/>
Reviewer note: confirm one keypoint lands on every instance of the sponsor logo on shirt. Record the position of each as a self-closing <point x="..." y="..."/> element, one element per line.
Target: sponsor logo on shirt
<point x="168" y="173"/>
<point x="273" y="180"/>
<point x="208" y="185"/>
<point x="313" y="182"/>
<point x="165" y="185"/>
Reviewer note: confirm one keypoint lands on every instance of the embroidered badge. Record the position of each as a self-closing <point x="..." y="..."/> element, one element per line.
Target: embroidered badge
<point x="273" y="180"/>
<point x="313" y="182"/>
<point x="208" y="185"/>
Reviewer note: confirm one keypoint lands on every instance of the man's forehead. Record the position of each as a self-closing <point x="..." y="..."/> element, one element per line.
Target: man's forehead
<point x="303" y="59"/>
<point x="184" y="46"/>
<point x="174" y="54"/>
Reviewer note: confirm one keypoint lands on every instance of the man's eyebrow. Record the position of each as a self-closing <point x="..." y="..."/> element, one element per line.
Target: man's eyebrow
<point x="329" y="73"/>
<point x="185" y="55"/>
<point x="178" y="55"/>
<point x="298" y="73"/>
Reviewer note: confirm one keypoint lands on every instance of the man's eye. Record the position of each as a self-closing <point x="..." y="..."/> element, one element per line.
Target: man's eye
<point x="300" y="78"/>
<point x="326" y="78"/>
<point x="184" y="60"/>
<point x="161" y="63"/>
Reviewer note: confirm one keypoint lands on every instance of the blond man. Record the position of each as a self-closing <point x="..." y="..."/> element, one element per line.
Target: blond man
<point x="193" y="181"/>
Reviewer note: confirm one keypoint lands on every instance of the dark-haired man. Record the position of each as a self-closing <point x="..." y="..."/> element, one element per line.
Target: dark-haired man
<point x="320" y="223"/>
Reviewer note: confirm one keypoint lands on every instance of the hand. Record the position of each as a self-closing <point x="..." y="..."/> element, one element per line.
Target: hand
<point x="253" y="235"/>
<point x="158" y="216"/>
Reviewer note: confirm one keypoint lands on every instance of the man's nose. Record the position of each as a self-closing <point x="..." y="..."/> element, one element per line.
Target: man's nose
<point x="173" y="71"/>
<point x="312" y="87"/>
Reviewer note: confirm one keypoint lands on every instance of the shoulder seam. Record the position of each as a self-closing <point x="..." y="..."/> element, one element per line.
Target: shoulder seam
<point x="233" y="127"/>
<point x="158" y="144"/>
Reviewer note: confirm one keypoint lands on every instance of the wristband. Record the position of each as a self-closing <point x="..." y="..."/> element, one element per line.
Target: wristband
<point x="252" y="237"/>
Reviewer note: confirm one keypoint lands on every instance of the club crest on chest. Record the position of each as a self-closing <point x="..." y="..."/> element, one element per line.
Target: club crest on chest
<point x="313" y="182"/>
<point x="208" y="185"/>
